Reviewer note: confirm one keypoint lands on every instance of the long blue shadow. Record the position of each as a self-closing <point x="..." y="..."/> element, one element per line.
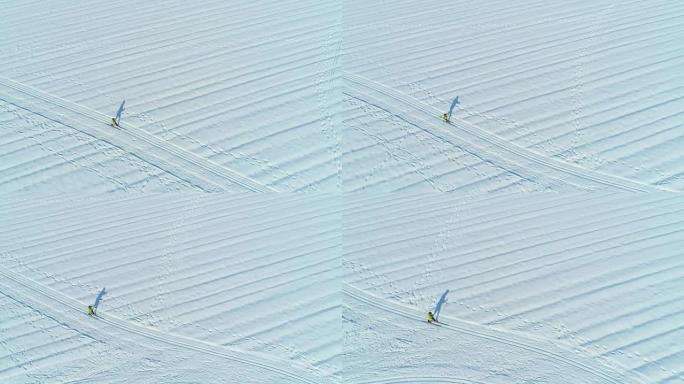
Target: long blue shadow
<point x="99" y="297"/>
<point x="120" y="111"/>
<point x="440" y="303"/>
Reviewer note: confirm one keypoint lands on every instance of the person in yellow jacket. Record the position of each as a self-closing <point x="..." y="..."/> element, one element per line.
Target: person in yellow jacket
<point x="114" y="122"/>
<point x="431" y="318"/>
<point x="445" y="117"/>
<point x="91" y="310"/>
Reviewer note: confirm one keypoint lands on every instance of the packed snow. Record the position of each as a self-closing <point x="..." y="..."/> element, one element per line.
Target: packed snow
<point x="221" y="96"/>
<point x="588" y="93"/>
<point x="546" y="288"/>
<point x="279" y="191"/>
<point x="244" y="288"/>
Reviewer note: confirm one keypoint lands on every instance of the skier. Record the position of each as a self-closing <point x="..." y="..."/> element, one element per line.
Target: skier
<point x="431" y="318"/>
<point x="91" y="310"/>
<point x="445" y="117"/>
<point x="114" y="122"/>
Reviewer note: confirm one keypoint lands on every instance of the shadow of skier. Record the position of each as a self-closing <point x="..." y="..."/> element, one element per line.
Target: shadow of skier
<point x="99" y="297"/>
<point x="440" y="303"/>
<point x="119" y="112"/>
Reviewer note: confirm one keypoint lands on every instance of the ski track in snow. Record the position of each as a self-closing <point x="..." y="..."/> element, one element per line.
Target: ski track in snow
<point x="245" y="91"/>
<point x="202" y="172"/>
<point x="589" y="92"/>
<point x="460" y="131"/>
<point x="253" y="273"/>
<point x="507" y="339"/>
<point x="595" y="273"/>
<point x="72" y="307"/>
<point x="565" y="107"/>
<point x="578" y="95"/>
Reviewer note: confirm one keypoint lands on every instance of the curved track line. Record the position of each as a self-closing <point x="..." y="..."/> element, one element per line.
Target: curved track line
<point x="73" y="305"/>
<point x="512" y="149"/>
<point x="203" y="172"/>
<point x="497" y="336"/>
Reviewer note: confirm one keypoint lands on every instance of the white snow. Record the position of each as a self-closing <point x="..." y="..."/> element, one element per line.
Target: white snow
<point x="596" y="85"/>
<point x="544" y="288"/>
<point x="555" y="257"/>
<point x="243" y="87"/>
<point x="247" y="285"/>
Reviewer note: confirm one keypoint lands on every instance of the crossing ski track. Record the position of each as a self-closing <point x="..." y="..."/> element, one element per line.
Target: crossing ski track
<point x="514" y="154"/>
<point x="509" y="339"/>
<point x="72" y="308"/>
<point x="183" y="164"/>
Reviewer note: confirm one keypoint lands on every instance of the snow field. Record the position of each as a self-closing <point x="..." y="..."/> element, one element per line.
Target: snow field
<point x="252" y="276"/>
<point x="542" y="224"/>
<point x="597" y="274"/>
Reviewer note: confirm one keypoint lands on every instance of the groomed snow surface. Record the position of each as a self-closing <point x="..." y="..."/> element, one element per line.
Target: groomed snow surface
<point x="228" y="96"/>
<point x="544" y="288"/>
<point x="194" y="288"/>
<point x="341" y="95"/>
<point x="556" y="257"/>
<point x="565" y="95"/>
